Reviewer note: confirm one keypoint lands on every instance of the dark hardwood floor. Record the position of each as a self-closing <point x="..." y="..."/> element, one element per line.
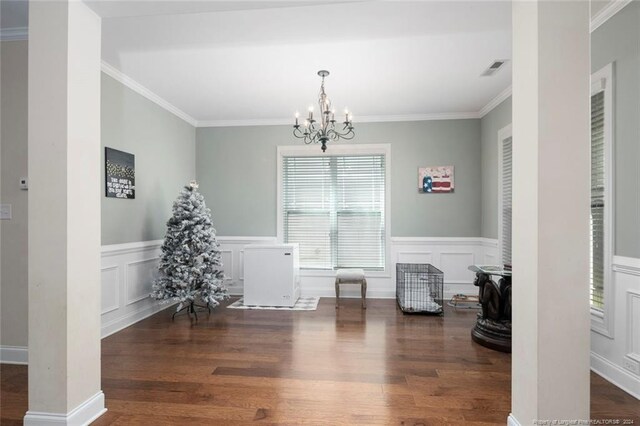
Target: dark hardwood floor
<point x="327" y="367"/>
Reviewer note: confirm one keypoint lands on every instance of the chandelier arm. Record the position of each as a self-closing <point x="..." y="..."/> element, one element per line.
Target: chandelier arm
<point x="343" y="134"/>
<point x="297" y="133"/>
<point x="333" y="135"/>
<point x="348" y="136"/>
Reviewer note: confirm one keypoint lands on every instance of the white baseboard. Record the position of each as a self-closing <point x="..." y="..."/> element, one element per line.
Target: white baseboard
<point x="469" y="289"/>
<point x="512" y="421"/>
<point x="235" y="290"/>
<point x="120" y="323"/>
<point x="615" y="374"/>
<point x="347" y="293"/>
<point x="14" y="355"/>
<point x="82" y="415"/>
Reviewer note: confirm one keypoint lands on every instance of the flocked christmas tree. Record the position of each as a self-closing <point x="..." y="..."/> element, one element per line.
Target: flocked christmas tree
<point x="190" y="266"/>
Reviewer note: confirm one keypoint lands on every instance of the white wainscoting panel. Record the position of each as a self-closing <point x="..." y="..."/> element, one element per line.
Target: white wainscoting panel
<point x="455" y="267"/>
<point x="227" y="264"/>
<point x="241" y="265"/>
<point x="414" y="257"/>
<point x="138" y="278"/>
<point x="128" y="271"/>
<point x="633" y="306"/>
<point x="233" y="259"/>
<point x="452" y="255"/>
<point x="489" y="251"/>
<point x="110" y="288"/>
<point x="610" y="356"/>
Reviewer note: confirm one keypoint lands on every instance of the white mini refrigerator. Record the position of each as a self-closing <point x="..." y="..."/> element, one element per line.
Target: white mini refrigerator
<point x="271" y="274"/>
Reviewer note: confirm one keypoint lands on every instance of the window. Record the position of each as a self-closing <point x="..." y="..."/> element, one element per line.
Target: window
<point x="334" y="207"/>
<point x="597" y="201"/>
<point x="505" y="180"/>
<point x="601" y="209"/>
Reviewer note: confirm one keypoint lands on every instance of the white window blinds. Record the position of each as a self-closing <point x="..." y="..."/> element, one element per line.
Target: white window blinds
<point x="334" y="208"/>
<point x="507" y="179"/>
<point x="597" y="199"/>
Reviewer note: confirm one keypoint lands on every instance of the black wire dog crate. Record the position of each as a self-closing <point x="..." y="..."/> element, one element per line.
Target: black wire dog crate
<point x="419" y="288"/>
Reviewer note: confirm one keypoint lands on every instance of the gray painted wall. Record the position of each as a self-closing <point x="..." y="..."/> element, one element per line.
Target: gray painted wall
<point x="618" y="40"/>
<point x="164" y="146"/>
<point x="13" y="136"/>
<point x="236" y="169"/>
<point x="490" y="124"/>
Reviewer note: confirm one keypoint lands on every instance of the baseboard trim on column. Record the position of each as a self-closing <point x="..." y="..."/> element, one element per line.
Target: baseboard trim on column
<point x="512" y="421"/>
<point x="83" y="414"/>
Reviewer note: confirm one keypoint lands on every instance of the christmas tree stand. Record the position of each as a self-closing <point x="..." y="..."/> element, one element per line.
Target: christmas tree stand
<point x="192" y="308"/>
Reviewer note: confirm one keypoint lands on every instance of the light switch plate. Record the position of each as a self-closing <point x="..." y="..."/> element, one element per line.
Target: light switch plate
<point x="5" y="211"/>
<point x="24" y="183"/>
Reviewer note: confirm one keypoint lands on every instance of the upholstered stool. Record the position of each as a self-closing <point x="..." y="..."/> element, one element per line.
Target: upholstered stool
<point x="352" y="276"/>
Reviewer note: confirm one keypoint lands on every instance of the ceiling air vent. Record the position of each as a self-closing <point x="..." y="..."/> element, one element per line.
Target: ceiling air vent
<point x="495" y="66"/>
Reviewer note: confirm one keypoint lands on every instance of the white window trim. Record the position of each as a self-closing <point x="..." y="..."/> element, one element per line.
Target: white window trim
<point x="602" y="321"/>
<point x="503" y="134"/>
<point x="335" y="150"/>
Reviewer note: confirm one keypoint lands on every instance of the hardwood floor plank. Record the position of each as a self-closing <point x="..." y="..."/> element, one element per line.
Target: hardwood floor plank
<point x="152" y="408"/>
<point x="323" y="367"/>
<point x="463" y="403"/>
<point x="311" y="375"/>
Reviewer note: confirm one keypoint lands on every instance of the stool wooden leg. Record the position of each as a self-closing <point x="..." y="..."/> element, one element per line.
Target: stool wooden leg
<point x="364" y="293"/>
<point x="337" y="292"/>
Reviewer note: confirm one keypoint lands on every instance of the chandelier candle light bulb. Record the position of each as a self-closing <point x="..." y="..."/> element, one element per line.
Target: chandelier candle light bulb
<point x="325" y="130"/>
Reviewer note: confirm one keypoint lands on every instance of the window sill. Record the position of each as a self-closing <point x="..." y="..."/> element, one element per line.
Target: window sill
<point x="597" y="314"/>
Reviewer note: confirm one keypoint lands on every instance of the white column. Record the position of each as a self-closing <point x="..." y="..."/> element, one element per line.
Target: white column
<point x="64" y="214"/>
<point x="550" y="373"/>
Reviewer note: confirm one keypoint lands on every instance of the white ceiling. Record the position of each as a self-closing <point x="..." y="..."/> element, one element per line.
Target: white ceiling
<point x="388" y="59"/>
<point x="119" y="8"/>
<point x="251" y="62"/>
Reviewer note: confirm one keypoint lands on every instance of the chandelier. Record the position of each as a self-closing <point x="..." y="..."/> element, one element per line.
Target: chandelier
<point x="323" y="130"/>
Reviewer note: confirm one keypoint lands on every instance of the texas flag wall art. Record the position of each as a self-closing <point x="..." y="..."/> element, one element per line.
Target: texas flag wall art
<point x="435" y="180"/>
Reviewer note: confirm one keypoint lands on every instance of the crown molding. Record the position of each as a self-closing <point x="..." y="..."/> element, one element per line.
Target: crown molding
<point x="359" y="119"/>
<point x="141" y="90"/>
<point x="245" y="123"/>
<point x="418" y="117"/>
<point x="607" y="12"/>
<point x="495" y="102"/>
<point x="15" y="33"/>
